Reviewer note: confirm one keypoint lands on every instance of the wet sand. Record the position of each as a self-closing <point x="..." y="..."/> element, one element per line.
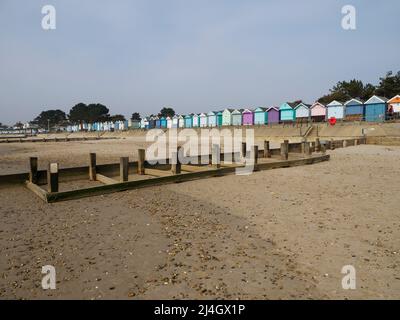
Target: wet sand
<point x="277" y="234"/>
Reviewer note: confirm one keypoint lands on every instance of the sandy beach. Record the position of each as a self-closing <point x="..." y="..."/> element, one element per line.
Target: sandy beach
<point x="277" y="234"/>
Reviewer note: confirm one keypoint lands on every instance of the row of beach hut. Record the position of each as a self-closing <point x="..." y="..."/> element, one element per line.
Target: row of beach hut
<point x="374" y="109"/>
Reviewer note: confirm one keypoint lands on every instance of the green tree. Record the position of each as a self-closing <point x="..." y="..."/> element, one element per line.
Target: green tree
<point x="50" y="118"/>
<point x="345" y="90"/>
<point x="389" y="86"/>
<point x="136" y="116"/>
<point x="166" y="112"/>
<point x="98" y="112"/>
<point x="88" y="113"/>
<point x="117" y="117"/>
<point x="18" y="125"/>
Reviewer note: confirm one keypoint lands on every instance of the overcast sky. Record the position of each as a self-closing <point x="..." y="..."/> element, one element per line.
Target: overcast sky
<point x="191" y="55"/>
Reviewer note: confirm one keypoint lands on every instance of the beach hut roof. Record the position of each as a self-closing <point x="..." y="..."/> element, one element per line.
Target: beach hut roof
<point x="247" y="111"/>
<point x="202" y="115"/>
<point x="302" y="104"/>
<point x="236" y="111"/>
<point x="374" y="98"/>
<point x="287" y="105"/>
<point x="181" y="116"/>
<point x="334" y="103"/>
<point x="260" y="109"/>
<point x="395" y="98"/>
<point x="357" y="100"/>
<point x="273" y="108"/>
<point x="190" y="115"/>
<point x="229" y="109"/>
<point x="212" y="113"/>
<point x="317" y="104"/>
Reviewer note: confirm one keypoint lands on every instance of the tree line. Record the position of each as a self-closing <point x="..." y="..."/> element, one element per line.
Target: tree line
<point x="388" y="87"/>
<point x="85" y="113"/>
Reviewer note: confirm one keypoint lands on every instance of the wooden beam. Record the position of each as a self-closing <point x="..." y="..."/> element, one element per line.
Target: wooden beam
<point x="104" y="179"/>
<point x="124" y="169"/>
<point x="267" y="152"/>
<point x="52" y="177"/>
<point x="175" y="163"/>
<point x="317" y="145"/>
<point x="244" y="150"/>
<point x="33" y="170"/>
<point x="92" y="166"/>
<point x="141" y="160"/>
<point x="215" y="156"/>
<point x="157" y="172"/>
<point x="42" y="194"/>
<point x="284" y="151"/>
<point x="193" y="168"/>
<point x="254" y="155"/>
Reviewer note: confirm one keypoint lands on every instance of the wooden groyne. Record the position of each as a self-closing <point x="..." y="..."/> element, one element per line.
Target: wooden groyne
<point x="127" y="175"/>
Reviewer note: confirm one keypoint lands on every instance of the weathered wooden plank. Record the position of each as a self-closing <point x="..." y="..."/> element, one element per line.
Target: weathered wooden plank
<point x="157" y="173"/>
<point x="189" y="168"/>
<point x="42" y="194"/>
<point x="104" y="179"/>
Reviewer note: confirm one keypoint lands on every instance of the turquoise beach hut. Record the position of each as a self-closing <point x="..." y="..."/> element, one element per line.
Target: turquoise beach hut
<point x="189" y="120"/>
<point x="163" y="122"/>
<point x="219" y="118"/>
<point x="260" y="116"/>
<point x="237" y="117"/>
<point x="287" y="112"/>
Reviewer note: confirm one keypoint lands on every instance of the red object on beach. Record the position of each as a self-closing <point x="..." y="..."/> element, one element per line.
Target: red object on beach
<point x="332" y="121"/>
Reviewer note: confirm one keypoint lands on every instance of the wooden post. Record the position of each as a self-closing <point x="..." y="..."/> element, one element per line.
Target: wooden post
<point x="267" y="152"/>
<point x="284" y="151"/>
<point x="332" y="144"/>
<point x="355" y="142"/>
<point x="307" y="149"/>
<point x="33" y="165"/>
<point x="344" y="143"/>
<point x="124" y="169"/>
<point x="176" y="164"/>
<point x="52" y="177"/>
<point x="303" y="145"/>
<point x="323" y="148"/>
<point x="92" y="167"/>
<point x="317" y="145"/>
<point x="215" y="156"/>
<point x="254" y="154"/>
<point x="244" y="150"/>
<point x="141" y="159"/>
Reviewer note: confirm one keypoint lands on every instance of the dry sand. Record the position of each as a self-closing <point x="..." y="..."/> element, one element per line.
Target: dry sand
<point x="283" y="233"/>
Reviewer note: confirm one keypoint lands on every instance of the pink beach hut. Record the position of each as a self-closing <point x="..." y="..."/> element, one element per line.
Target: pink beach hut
<point x="318" y="112"/>
<point x="248" y="117"/>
